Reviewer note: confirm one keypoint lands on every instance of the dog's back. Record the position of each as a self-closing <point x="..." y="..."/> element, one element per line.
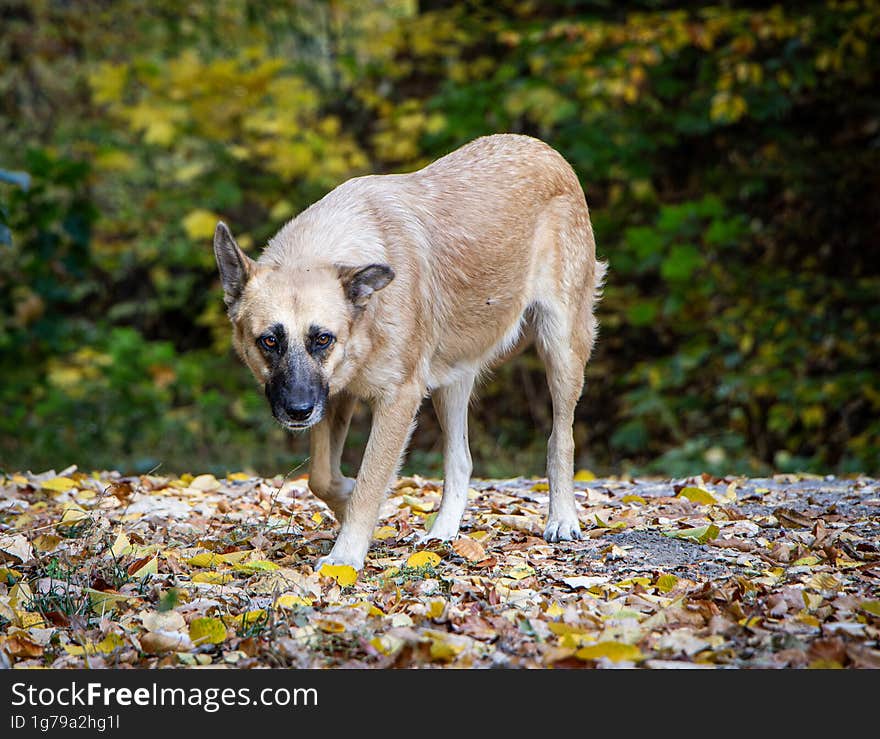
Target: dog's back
<point x="476" y="239"/>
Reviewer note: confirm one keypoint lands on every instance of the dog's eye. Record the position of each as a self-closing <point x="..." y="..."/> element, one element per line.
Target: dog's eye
<point x="268" y="342"/>
<point x="322" y="341"/>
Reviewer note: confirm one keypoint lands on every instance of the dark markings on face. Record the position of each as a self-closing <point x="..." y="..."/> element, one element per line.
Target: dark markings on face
<point x="319" y="342"/>
<point x="296" y="389"/>
<point x="273" y="344"/>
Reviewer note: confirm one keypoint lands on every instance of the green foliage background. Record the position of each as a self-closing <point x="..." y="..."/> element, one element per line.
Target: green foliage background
<point x="730" y="154"/>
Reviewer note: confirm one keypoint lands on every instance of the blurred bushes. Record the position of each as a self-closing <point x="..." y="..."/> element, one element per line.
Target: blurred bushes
<point x="729" y="155"/>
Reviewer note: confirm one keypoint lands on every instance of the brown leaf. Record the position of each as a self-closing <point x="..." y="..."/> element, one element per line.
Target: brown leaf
<point x="791" y="518"/>
<point x="828" y="650"/>
<point x="18" y="644"/>
<point x="471" y="550"/>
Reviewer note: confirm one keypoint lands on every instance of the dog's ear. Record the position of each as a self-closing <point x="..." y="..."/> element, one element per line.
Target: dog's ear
<point x="360" y="283"/>
<point x="235" y="266"/>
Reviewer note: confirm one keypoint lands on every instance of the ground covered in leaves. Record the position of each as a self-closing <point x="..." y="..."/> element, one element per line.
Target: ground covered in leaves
<point x="100" y="570"/>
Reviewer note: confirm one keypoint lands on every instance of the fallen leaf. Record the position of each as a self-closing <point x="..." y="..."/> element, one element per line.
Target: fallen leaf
<point x="343" y="574"/>
<point x="584" y="476"/>
<point x="697" y="495"/>
<point x="161" y="641"/>
<point x="58" y="484"/>
<point x="144" y="566"/>
<point x="17" y="546"/>
<point x="212" y="577"/>
<point x="72" y="514"/>
<point x="585" y="581"/>
<point x="207" y="483"/>
<point x="700" y="534"/>
<point x="207" y="630"/>
<point x="471" y="550"/>
<point x="611" y="650"/>
<point x="423" y="559"/>
<point x="18" y="644"/>
<point x="108" y="644"/>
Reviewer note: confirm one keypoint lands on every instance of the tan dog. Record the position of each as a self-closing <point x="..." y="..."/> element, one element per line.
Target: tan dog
<point x="395" y="286"/>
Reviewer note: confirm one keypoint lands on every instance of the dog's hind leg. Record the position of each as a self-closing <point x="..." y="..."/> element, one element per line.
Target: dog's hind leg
<point x="565" y="371"/>
<point x="451" y="406"/>
<point x="326" y="442"/>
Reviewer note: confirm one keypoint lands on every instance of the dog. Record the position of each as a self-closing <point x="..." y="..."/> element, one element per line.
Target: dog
<point x="393" y="287"/>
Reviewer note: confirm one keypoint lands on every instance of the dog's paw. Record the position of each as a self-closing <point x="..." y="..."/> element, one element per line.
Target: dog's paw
<point x="331" y="559"/>
<point x="440" y="531"/>
<point x="562" y="530"/>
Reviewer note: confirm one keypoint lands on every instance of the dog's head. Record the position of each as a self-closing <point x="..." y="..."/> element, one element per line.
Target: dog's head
<point x="291" y="325"/>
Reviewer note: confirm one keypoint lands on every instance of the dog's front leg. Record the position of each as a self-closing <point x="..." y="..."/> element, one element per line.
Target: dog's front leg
<point x="392" y="423"/>
<point x="326" y="441"/>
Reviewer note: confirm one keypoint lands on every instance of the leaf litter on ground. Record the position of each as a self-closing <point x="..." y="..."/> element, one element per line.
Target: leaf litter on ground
<point x="102" y="570"/>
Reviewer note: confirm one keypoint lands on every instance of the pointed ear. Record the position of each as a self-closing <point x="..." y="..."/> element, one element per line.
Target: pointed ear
<point x="360" y="283"/>
<point x="235" y="266"/>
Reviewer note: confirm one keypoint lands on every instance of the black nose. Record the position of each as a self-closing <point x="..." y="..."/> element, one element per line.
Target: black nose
<point x="300" y="412"/>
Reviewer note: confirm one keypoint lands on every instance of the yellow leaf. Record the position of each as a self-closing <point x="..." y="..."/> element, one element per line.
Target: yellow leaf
<point x="212" y="577"/>
<point x="554" y="610"/>
<point x="72" y="514"/>
<point x="292" y="601"/>
<point x="436" y="608"/>
<point x="442" y="649"/>
<point x="823" y="581"/>
<point x="330" y="626"/>
<point x="423" y="559"/>
<point x="238" y="476"/>
<point x="698" y="495"/>
<point x="540" y="487"/>
<point x="107" y="645"/>
<point x="121" y="546"/>
<point x="205" y="559"/>
<point x="151" y="567"/>
<point x="584" y="476"/>
<point x="343" y="574"/>
<point x="387" y="645"/>
<point x="519" y="572"/>
<point x="317" y="517"/>
<point x="236" y="556"/>
<point x="258" y="614"/>
<point x="102" y="600"/>
<point x="809" y="561"/>
<point x="700" y="534"/>
<point x="8" y="576"/>
<point x="208" y="483"/>
<point x="207" y="631"/>
<point x="808" y="619"/>
<point x="871" y="606"/>
<point x="665" y="583"/>
<point x="58" y="484"/>
<point x="47" y="542"/>
<point x="385" y="532"/>
<point x="633" y="499"/>
<point x="417" y="504"/>
<point x="28" y="620"/>
<point x="368" y="607"/>
<point x="257" y="565"/>
<point x="20" y="595"/>
<point x="200" y="224"/>
<point x="612" y="650"/>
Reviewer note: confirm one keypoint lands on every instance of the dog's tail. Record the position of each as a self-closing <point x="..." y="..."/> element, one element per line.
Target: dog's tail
<point x="599" y="275"/>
